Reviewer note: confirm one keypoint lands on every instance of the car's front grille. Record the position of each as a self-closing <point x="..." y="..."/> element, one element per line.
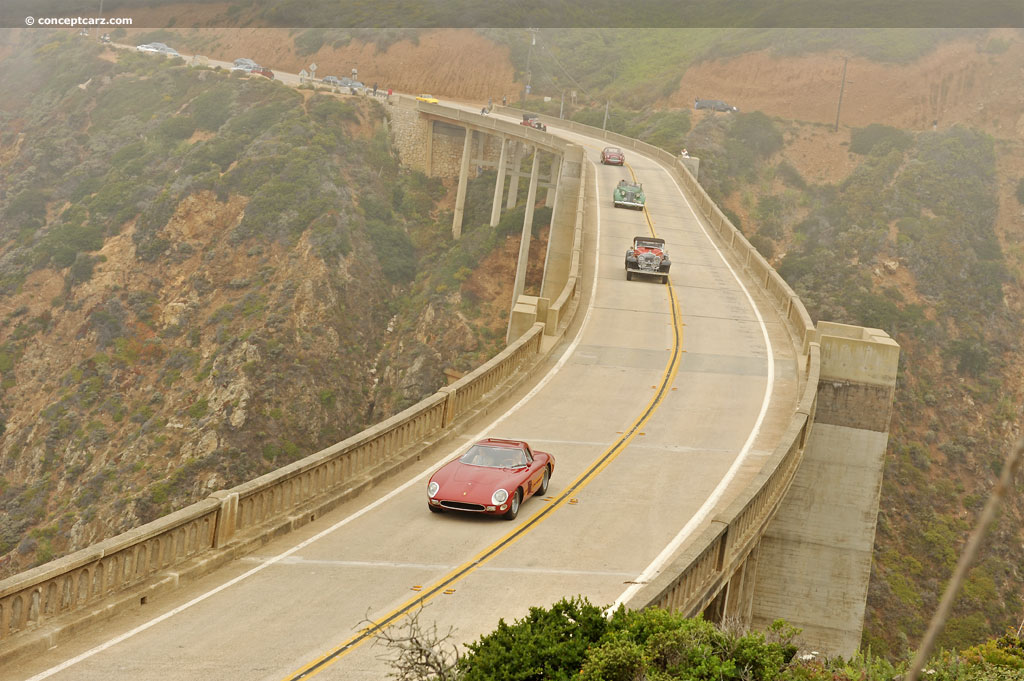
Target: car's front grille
<point x="461" y="506"/>
<point x="650" y="262"/>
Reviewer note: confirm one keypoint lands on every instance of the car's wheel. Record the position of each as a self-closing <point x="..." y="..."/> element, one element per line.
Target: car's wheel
<point x="543" y="489"/>
<point x="513" y="509"/>
<point x="629" y="276"/>
<point x="435" y="509"/>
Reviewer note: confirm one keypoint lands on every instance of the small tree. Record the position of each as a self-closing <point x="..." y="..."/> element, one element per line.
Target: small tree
<point x="418" y="652"/>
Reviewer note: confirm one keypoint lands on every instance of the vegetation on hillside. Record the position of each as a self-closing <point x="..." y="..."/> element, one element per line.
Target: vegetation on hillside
<point x="636" y="68"/>
<point x="229" y="253"/>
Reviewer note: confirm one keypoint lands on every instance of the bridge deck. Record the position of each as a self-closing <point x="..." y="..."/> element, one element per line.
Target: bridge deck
<point x="687" y="423"/>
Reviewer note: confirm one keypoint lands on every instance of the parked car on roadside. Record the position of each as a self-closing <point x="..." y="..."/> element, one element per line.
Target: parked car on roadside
<point x="244" y="65"/>
<point x="429" y="99"/>
<point x="157" y="48"/>
<point x="332" y="81"/>
<point x="713" y="104"/>
<point x="263" y="71"/>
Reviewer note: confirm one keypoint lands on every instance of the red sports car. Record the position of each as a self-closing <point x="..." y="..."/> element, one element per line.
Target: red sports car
<point x="613" y="156"/>
<point x="494" y="476"/>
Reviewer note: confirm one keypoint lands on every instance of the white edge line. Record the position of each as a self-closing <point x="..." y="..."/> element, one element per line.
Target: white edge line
<point x="366" y="509"/>
<point x="702" y="513"/>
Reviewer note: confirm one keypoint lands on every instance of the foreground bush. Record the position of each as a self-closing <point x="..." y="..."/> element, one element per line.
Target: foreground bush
<point x="574" y="639"/>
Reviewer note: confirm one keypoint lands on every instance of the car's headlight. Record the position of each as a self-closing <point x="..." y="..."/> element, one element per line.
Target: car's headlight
<point x="500" y="496"/>
<point x="432" y="488"/>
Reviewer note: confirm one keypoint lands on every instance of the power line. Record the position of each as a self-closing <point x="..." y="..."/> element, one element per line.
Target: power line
<point x="567" y="74"/>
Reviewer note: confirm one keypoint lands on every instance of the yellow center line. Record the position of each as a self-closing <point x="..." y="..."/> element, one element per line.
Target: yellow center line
<point x="581" y="481"/>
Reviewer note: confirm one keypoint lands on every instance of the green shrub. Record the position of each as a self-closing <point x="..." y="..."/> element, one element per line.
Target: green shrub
<point x="789" y="175"/>
<point x="763" y="245"/>
<point x="176" y="128"/>
<point x="29" y="203"/>
<point x="879" y="139"/>
<point x="212" y="108"/>
<point x="199" y="408"/>
<point x="548" y="643"/>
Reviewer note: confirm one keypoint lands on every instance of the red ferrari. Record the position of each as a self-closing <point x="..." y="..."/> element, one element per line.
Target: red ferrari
<point x="613" y="156"/>
<point x="494" y="476"/>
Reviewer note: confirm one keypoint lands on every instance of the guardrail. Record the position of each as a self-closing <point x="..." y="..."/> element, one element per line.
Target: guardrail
<point x="481" y="122"/>
<point x="94" y="582"/>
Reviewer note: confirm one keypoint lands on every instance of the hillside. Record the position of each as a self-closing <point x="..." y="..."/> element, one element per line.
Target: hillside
<point x="205" y="277"/>
<point x="907" y="218"/>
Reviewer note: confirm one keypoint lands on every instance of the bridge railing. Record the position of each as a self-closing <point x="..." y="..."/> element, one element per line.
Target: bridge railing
<point x="200" y="537"/>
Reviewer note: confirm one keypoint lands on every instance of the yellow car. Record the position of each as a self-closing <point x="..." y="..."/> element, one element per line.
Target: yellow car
<point x="429" y="99"/>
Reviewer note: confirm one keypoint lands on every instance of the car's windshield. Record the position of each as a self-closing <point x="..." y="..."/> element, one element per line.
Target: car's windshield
<point x="494" y="457"/>
<point x="648" y="244"/>
<point x="611" y="150"/>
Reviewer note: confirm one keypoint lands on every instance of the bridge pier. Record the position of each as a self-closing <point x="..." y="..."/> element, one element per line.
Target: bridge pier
<point x="549" y="197"/>
<point x="513" y="183"/>
<point x="524" y="243"/>
<point x="499" y="186"/>
<point x="815" y="556"/>
<point x="460" y="195"/>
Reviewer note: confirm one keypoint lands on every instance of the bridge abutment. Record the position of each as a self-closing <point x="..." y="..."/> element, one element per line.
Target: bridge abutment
<point x="814" y="560"/>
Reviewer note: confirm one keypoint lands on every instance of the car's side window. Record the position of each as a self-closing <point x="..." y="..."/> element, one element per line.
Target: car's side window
<point x="529" y="454"/>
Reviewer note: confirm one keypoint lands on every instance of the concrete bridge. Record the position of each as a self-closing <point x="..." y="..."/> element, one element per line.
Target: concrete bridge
<point x="716" y="452"/>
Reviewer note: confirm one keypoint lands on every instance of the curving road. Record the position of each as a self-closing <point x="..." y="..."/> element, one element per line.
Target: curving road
<point x="662" y="401"/>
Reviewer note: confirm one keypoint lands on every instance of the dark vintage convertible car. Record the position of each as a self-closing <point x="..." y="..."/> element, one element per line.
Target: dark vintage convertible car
<point x="648" y="256"/>
<point x="629" y="195"/>
<point x="494" y="476"/>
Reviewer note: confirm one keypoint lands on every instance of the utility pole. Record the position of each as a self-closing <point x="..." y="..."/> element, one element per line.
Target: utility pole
<point x="561" y="108"/>
<point x="604" y="126"/>
<point x="529" y="75"/>
<point x="842" y="86"/>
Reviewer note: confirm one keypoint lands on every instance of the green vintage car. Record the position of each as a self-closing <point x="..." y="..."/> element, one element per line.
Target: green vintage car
<point x="628" y="195"/>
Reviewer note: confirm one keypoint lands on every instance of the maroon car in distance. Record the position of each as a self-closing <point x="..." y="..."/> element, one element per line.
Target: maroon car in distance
<point x="494" y="476"/>
<point x="613" y="156"/>
<point x="534" y="122"/>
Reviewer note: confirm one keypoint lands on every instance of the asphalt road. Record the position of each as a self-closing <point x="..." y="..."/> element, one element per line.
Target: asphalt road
<point x="664" y="403"/>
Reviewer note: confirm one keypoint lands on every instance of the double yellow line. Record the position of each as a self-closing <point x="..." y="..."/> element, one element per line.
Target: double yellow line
<point x="581" y="481"/>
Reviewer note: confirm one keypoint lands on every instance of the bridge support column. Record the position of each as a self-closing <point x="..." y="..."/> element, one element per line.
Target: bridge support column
<point x="499" y="186"/>
<point x="513" y="182"/>
<point x="815" y="556"/>
<point x="549" y="197"/>
<point x="460" y="195"/>
<point x="428" y="161"/>
<point x="524" y="243"/>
